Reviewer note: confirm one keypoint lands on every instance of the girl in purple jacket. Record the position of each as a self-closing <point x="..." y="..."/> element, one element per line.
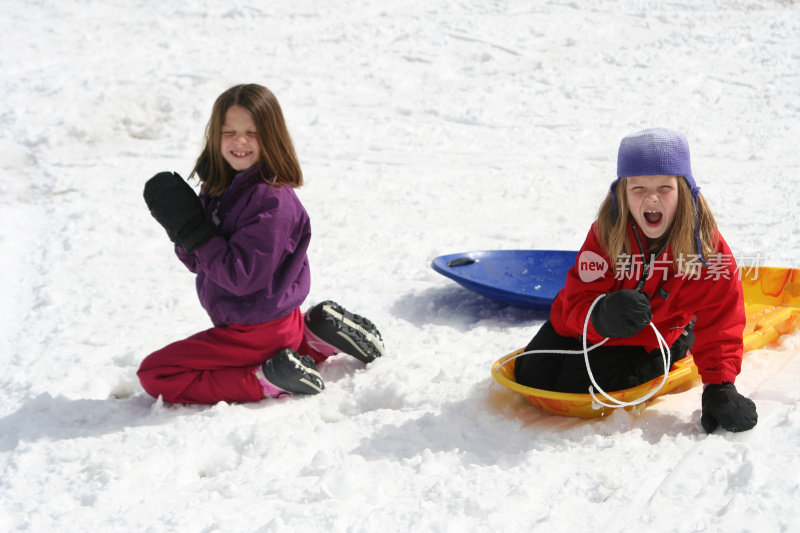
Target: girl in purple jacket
<point x="246" y="238"/>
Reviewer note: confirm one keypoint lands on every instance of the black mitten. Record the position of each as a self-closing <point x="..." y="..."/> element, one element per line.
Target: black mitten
<point x="724" y="406"/>
<point x="622" y="314"/>
<point x="173" y="203"/>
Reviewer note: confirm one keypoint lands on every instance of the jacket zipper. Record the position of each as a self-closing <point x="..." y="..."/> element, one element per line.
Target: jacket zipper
<point x="646" y="264"/>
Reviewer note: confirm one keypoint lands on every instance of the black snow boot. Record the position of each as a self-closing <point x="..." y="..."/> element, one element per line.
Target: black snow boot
<point x="293" y="373"/>
<point x="342" y="331"/>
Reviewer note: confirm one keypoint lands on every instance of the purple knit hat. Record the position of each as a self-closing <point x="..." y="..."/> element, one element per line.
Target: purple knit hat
<point x="655" y="151"/>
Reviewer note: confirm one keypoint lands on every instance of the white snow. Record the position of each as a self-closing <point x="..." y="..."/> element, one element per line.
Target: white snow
<point x="424" y="127"/>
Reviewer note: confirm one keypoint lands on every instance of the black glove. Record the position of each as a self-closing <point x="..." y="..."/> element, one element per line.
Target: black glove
<point x="622" y="314"/>
<point x="173" y="203"/>
<point x="723" y="406"/>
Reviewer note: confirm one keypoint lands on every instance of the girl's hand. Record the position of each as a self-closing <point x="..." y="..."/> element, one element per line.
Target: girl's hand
<point x="175" y="206"/>
<point x="724" y="406"/>
<point x="621" y="314"/>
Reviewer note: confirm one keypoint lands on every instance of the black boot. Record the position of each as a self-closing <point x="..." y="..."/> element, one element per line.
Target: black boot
<point x="293" y="373"/>
<point x="345" y="331"/>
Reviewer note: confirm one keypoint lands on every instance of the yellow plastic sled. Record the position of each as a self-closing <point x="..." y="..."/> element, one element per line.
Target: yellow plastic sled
<point x="772" y="305"/>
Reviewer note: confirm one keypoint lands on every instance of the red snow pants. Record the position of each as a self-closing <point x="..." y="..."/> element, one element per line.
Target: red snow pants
<point x="219" y="364"/>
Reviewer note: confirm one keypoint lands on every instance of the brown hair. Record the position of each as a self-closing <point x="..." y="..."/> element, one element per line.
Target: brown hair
<point x="612" y="222"/>
<point x="278" y="162"/>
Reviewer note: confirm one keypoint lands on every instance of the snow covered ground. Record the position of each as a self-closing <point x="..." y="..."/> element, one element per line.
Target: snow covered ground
<point x="424" y="127"/>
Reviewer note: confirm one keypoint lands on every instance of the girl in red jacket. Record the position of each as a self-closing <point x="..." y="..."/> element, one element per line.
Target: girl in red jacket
<point x="653" y="254"/>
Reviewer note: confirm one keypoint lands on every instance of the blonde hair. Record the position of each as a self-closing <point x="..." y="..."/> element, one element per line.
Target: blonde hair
<point x="278" y="162"/>
<point x="693" y="231"/>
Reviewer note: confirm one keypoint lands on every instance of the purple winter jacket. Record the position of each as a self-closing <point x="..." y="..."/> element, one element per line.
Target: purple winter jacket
<point x="256" y="268"/>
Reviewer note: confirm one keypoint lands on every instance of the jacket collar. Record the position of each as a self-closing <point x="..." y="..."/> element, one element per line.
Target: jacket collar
<point x="641" y="244"/>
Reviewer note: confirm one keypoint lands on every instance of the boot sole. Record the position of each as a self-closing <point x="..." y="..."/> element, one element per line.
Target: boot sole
<point x="313" y="385"/>
<point x="349" y="330"/>
<point x="305" y="377"/>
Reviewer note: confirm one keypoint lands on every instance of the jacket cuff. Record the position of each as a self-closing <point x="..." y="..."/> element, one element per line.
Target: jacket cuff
<point x="718" y="377"/>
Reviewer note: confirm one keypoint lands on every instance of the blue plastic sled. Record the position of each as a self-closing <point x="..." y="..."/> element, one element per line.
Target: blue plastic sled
<point x="523" y="278"/>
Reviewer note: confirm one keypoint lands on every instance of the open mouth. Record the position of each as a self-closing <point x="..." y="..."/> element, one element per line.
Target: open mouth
<point x="652" y="217"/>
<point x="240" y="154"/>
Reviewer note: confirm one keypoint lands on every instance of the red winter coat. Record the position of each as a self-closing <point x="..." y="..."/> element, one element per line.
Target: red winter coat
<point x="714" y="296"/>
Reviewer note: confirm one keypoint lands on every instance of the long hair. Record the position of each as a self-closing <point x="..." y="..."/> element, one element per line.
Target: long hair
<point x="278" y="162"/>
<point x="693" y="230"/>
